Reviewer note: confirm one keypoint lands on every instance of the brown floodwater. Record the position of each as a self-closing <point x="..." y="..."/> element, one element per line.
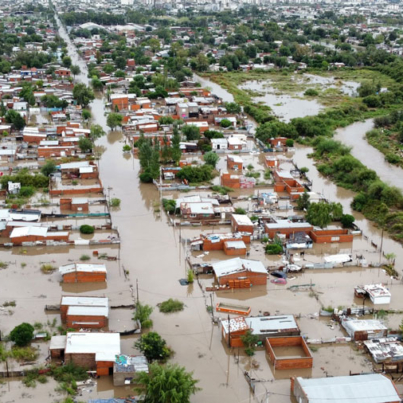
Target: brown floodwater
<point x="152" y="254"/>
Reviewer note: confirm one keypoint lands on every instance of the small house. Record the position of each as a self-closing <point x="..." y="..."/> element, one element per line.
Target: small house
<point x="360" y="329"/>
<point x="83" y="273"/>
<point x="236" y="143"/>
<point x="286" y="227"/>
<point x="241" y="223"/>
<point x="93" y="312"/>
<point x="127" y="367"/>
<point x="234" y="162"/>
<point x="237" y="272"/>
<point x="93" y="351"/>
<point x="374" y="388"/>
<point x="235" y="248"/>
<point x="197" y="210"/>
<point x="76" y="204"/>
<point x="219" y="144"/>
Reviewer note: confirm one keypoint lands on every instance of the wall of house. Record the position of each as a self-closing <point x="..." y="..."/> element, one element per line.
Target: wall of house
<point x="33" y="238"/>
<point x="254" y="278"/>
<point x="330" y="236"/>
<point x="103" y="367"/>
<point x="233" y="183"/>
<point x="235" y="338"/>
<point x="34" y="139"/>
<point x="208" y="245"/>
<point x="84" y="277"/>
<point x="241" y="228"/>
<point x="288" y="362"/>
<point x="271" y="233"/>
<point x="61" y="192"/>
<point x="234" y="251"/>
<point x="119" y="377"/>
<point x="234" y="165"/>
<point x="44" y="152"/>
<point x="81" y="360"/>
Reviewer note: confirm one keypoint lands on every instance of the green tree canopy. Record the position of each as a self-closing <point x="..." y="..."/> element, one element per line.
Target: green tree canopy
<point x="83" y="94"/>
<point x="22" y="334"/>
<point x="153" y="346"/>
<point x="167" y="384"/>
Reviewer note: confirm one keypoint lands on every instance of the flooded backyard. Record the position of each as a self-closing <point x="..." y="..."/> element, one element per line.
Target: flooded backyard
<point x="152" y="254"/>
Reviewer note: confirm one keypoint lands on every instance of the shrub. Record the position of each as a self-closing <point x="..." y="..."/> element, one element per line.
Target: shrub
<point x="240" y="210"/>
<point x="146" y="177"/>
<point x="289" y="143"/>
<point x="126" y="148"/>
<point x="24" y="353"/>
<point x="190" y="276"/>
<point x="48" y="268"/>
<point x="274" y="249"/>
<point x="211" y="158"/>
<point x="171" y="305"/>
<point x="87" y="229"/>
<point x="225" y="123"/>
<point x="142" y="314"/>
<point x="48" y="168"/>
<point x="27" y="191"/>
<point x="84" y="258"/>
<point x="115" y="202"/>
<point x="169" y="205"/>
<point x="310" y="92"/>
<point x="153" y="346"/>
<point x="392" y="158"/>
<point x="22" y="334"/>
<point x="347" y="220"/>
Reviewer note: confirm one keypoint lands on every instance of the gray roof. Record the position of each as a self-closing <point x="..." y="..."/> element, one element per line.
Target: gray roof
<point x="372" y="388"/>
<point x="237" y="265"/>
<point x="271" y="325"/>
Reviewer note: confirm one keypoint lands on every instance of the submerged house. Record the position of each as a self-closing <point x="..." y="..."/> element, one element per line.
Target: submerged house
<point x="360" y="329"/>
<point x="127" y="367"/>
<point x="83" y="273"/>
<point x="237" y="272"/>
<point x="84" y="312"/>
<point x="94" y="351"/>
<point x="370" y="388"/>
<point x="261" y="326"/>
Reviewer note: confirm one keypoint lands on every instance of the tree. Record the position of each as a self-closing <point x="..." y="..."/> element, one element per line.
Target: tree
<point x="319" y="214"/>
<point x="167" y="384"/>
<point x="120" y="63"/>
<point x="66" y="61"/>
<point x="113" y="120"/>
<point x="191" y="132"/>
<point x="22" y="334"/>
<point x="142" y="314"/>
<point x="83" y="94"/>
<point x="249" y="340"/>
<point x="232" y="107"/>
<point x="347" y="220"/>
<point x="153" y="346"/>
<point x="96" y="132"/>
<point x="211" y="158"/>
<point x="85" y="144"/>
<point x="303" y="201"/>
<point x="225" y="123"/>
<point x="86" y="114"/>
<point x="75" y="70"/>
<point x="49" y="168"/>
<point x="15" y="119"/>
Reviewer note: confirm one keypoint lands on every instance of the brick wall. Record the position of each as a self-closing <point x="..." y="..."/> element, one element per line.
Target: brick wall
<point x="84" y="277"/>
<point x="82" y="360"/>
<point x="330" y="236"/>
<point x="255" y="278"/>
<point x="92" y="322"/>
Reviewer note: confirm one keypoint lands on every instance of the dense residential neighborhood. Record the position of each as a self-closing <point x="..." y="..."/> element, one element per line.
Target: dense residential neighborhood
<point x="201" y="201"/>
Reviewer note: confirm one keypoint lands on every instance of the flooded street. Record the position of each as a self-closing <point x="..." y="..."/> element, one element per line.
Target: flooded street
<point x="151" y="252"/>
<point x="354" y="137"/>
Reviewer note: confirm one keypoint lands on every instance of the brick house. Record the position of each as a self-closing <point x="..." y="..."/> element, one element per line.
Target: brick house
<point x="242" y="223"/>
<point x="83" y="273"/>
<point x="93" y="351"/>
<point x="77" y="204"/>
<point x="229" y="272"/>
<point x="234" y="162"/>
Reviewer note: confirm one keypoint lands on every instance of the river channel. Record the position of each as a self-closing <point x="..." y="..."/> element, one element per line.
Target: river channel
<point x="152" y="254"/>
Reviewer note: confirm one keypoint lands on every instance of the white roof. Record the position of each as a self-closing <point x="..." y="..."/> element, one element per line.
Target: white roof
<point x="287" y="224"/>
<point x="74" y="165"/>
<point x="377" y="290"/>
<point x="105" y="346"/>
<point x="88" y="311"/>
<point x="198" y="208"/>
<point x="80" y="267"/>
<point x="360" y="325"/>
<point x="196" y="199"/>
<point x="271" y="324"/>
<point x="29" y="231"/>
<point x="235" y="141"/>
<point x="57" y="342"/>
<point x="235" y="244"/>
<point x="79" y="200"/>
<point x="371" y="388"/>
<point x="219" y="141"/>
<point x="84" y="301"/>
<point x="86" y="170"/>
<point x="342" y="258"/>
<point x="242" y="219"/>
<point x="235" y="158"/>
<point x="237" y="265"/>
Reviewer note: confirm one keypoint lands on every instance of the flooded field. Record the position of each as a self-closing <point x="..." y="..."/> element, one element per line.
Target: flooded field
<point x="151" y="252"/>
<point x="291" y="103"/>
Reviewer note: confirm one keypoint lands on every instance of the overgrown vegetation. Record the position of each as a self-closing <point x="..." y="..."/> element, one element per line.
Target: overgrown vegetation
<point x="48" y="268"/>
<point x="171" y="305"/>
<point x="142" y="314"/>
<point x="154" y="347"/>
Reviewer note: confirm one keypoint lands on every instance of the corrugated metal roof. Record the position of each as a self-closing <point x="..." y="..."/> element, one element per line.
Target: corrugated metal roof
<point x="371" y="388"/>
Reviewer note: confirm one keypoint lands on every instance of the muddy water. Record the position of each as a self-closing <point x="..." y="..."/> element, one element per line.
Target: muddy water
<point x="152" y="254"/>
<point x="354" y="136"/>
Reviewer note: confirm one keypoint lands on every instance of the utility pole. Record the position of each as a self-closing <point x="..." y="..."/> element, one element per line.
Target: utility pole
<point x="380" y="250"/>
<point x="211" y="304"/>
<point x="137" y="290"/>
